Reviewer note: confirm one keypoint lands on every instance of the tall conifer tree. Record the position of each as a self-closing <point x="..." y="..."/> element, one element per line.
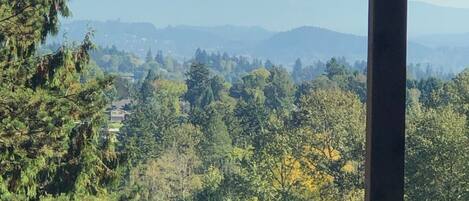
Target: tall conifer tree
<point x="51" y="141"/>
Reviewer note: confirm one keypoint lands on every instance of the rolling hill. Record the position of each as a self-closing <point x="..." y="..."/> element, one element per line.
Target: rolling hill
<point x="311" y="43"/>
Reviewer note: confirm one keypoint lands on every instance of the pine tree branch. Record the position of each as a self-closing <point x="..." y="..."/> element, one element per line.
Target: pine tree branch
<point x="16" y="14"/>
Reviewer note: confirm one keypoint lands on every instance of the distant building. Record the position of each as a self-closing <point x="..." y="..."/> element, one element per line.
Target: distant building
<point x="120" y="105"/>
<point x="118" y="112"/>
<point x="130" y="78"/>
<point x="118" y="115"/>
<point x="113" y="130"/>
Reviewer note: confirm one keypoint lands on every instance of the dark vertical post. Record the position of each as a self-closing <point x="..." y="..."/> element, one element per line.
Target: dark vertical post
<point x="386" y="100"/>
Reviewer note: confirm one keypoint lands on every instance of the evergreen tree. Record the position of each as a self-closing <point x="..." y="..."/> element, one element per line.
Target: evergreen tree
<point x="335" y="68"/>
<point x="201" y="57"/>
<point x="147" y="88"/>
<point x="298" y="71"/>
<point x="159" y="57"/>
<point x="149" y="57"/>
<point x="199" y="92"/>
<point x="217" y="143"/>
<point x="217" y="84"/>
<point x="268" y="64"/>
<point x="198" y="83"/>
<point x="51" y="139"/>
<point x="157" y="111"/>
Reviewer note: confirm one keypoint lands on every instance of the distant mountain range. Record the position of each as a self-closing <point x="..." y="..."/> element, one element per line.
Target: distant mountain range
<point x="181" y="41"/>
<point x="308" y="43"/>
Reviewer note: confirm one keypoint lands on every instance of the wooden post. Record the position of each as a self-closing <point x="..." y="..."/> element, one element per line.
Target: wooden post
<point x="387" y="43"/>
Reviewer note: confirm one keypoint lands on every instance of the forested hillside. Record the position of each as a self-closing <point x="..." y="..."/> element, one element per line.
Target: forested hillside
<point x="83" y="122"/>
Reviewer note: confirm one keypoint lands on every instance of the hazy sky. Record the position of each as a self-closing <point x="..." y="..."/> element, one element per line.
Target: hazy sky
<point x="349" y="16"/>
<point x="270" y="14"/>
<point x="452" y="3"/>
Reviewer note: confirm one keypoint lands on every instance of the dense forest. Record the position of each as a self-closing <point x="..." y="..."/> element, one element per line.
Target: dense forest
<point x="214" y="127"/>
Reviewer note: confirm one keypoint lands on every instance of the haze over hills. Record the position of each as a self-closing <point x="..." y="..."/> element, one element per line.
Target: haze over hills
<point x="311" y="43"/>
<point x="435" y="34"/>
<point x="308" y="42"/>
<point x="277" y="15"/>
<point x="444" y="40"/>
<point x="347" y="16"/>
<point x="181" y="41"/>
